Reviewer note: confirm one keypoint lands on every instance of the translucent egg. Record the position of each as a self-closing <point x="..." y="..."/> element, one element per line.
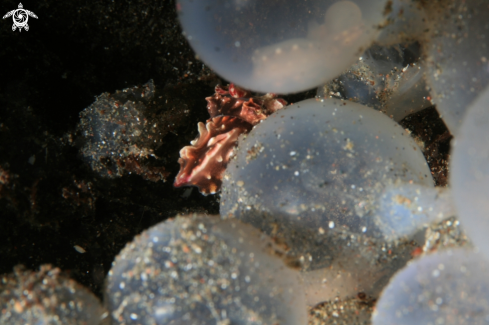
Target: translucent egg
<point x="340" y="264"/>
<point x="203" y="270"/>
<point x="46" y="297"/>
<point x="470" y="172"/>
<point x="406" y="20"/>
<point x="318" y="163"/>
<point x="450" y="288"/>
<point x="457" y="56"/>
<point x="279" y="46"/>
<point x="403" y="209"/>
<point x="389" y="79"/>
<point x="312" y="174"/>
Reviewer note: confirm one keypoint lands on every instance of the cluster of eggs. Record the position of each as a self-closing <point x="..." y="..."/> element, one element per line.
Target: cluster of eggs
<point x="328" y="197"/>
<point x="339" y="182"/>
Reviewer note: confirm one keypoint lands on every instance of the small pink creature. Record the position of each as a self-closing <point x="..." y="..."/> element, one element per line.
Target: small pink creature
<point x="233" y="111"/>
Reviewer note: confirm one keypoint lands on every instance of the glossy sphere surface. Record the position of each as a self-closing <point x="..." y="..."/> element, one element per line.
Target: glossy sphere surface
<point x="470" y="172"/>
<point x="46" y="297"/>
<point x="279" y="46"/>
<point x="448" y="288"/>
<point x="312" y="174"/>
<point x="203" y="270"/>
<point x="389" y="79"/>
<point x="321" y="164"/>
<point x="457" y="50"/>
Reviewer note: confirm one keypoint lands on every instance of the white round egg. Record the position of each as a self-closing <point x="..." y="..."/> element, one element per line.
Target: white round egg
<point x="279" y="46"/>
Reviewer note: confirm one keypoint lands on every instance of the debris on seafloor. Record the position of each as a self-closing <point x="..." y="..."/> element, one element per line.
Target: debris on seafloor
<point x="46" y="297"/>
<point x="120" y="131"/>
<point x="198" y="269"/>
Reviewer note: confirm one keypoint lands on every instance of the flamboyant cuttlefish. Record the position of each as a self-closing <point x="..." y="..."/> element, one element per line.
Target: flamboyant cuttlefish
<point x="233" y="111"/>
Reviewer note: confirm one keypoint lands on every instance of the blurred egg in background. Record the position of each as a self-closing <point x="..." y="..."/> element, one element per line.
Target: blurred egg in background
<point x="279" y="46"/>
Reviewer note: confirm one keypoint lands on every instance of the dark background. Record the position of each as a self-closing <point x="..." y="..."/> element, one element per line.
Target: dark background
<point x="73" y="52"/>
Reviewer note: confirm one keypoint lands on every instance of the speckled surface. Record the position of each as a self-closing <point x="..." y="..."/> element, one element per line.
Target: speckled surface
<point x="73" y="52"/>
<point x="50" y="199"/>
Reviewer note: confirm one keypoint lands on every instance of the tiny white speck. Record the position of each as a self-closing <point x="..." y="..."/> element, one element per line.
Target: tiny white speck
<point x="296" y="173"/>
<point x="134" y="316"/>
<point x="197" y="249"/>
<point x="331" y="224"/>
<point x="79" y="249"/>
<point x="122" y="285"/>
<point x="293" y="153"/>
<point x="364" y="229"/>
